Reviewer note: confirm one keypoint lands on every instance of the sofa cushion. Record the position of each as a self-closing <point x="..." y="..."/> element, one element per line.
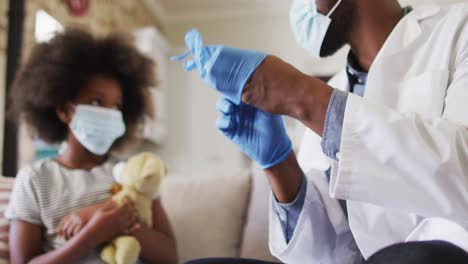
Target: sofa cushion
<point x="6" y="185"/>
<point x="255" y="238"/>
<point x="207" y="213"/>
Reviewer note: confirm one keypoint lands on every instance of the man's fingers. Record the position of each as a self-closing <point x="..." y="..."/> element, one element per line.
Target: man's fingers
<point x="194" y="41"/>
<point x="225" y="106"/>
<point x="190" y="65"/>
<point x="224" y="124"/>
<point x="181" y="57"/>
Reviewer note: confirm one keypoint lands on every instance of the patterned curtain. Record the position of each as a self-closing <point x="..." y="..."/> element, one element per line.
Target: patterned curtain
<point x="3" y="59"/>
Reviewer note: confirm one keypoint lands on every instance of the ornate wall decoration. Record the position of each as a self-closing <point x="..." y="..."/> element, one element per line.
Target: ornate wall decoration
<point x="102" y="16"/>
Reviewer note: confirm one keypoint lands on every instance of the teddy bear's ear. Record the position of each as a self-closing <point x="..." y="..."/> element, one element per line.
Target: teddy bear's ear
<point x="117" y="171"/>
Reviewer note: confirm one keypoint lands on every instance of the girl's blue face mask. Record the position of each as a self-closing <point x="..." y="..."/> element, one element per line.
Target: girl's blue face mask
<point x="97" y="128"/>
<point x="309" y="26"/>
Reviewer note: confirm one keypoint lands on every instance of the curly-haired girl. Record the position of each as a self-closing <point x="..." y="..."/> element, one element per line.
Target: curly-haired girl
<point x="93" y="94"/>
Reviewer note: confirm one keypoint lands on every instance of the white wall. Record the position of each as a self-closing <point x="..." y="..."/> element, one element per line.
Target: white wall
<point x="194" y="145"/>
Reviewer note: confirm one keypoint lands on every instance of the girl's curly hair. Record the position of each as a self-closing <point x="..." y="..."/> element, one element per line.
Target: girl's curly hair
<point x="57" y="70"/>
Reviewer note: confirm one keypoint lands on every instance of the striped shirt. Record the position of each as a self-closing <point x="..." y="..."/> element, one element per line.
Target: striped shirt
<point x="46" y="192"/>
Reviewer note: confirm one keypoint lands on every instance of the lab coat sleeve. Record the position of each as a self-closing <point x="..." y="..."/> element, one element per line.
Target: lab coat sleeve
<point x="406" y="162"/>
<point x="321" y="235"/>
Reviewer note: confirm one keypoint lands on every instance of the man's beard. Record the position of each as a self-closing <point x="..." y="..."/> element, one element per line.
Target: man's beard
<point x="338" y="33"/>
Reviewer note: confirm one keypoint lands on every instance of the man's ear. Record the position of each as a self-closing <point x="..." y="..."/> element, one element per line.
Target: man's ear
<point x="64" y="112"/>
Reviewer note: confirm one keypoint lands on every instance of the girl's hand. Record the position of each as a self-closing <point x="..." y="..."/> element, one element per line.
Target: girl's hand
<point x="111" y="221"/>
<point x="73" y="223"/>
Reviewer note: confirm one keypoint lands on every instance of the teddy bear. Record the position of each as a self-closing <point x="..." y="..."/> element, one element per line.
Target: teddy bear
<point x="139" y="178"/>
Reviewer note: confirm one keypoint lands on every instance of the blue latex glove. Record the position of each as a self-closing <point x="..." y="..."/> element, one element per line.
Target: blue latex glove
<point x="223" y="68"/>
<point x="260" y="135"/>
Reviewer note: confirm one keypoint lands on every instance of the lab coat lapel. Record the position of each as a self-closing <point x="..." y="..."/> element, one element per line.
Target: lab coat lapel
<point x="387" y="71"/>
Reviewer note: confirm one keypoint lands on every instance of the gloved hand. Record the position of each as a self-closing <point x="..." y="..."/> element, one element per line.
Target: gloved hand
<point x="260" y="135"/>
<point x="223" y="68"/>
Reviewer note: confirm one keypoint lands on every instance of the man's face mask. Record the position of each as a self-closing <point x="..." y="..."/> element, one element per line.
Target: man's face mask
<point x="97" y="128"/>
<point x="309" y="26"/>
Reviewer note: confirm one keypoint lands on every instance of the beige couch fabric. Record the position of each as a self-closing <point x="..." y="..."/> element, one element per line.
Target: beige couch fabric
<point x="255" y="238"/>
<point x="207" y="213"/>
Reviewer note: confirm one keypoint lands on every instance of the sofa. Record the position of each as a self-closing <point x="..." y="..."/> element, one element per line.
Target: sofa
<point x="212" y="216"/>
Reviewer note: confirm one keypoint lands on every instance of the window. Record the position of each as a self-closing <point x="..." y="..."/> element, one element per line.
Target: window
<point x="46" y="26"/>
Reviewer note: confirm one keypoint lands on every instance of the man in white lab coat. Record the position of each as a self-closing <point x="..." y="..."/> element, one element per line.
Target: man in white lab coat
<point x="386" y="158"/>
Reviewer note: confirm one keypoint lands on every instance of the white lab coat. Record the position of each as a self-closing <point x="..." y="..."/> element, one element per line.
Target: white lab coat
<point x="404" y="152"/>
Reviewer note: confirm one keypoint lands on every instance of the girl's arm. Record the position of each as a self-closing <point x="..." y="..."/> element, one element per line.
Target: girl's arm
<point x="158" y="244"/>
<point x="72" y="224"/>
<point x="25" y="245"/>
<point x="107" y="223"/>
<point x="24" y="241"/>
